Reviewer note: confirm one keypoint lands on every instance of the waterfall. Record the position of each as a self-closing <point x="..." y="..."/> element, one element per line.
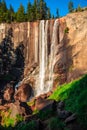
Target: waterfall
<point x="43" y="57"/>
<point x="43" y="75"/>
<point x="44" y="82"/>
<point x="27" y="47"/>
<point x="54" y="42"/>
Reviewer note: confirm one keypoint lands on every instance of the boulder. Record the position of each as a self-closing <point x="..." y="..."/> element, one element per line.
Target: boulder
<point x="70" y="118"/>
<point x="8" y="93"/>
<point x="23" y="93"/>
<point x="61" y="105"/>
<point x="63" y="114"/>
<point x="20" y="108"/>
<point x="44" y="104"/>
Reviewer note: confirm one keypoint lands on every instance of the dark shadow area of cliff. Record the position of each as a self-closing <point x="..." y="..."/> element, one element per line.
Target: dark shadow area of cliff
<point x="64" y="59"/>
<point x="71" y="73"/>
<point x="11" y="60"/>
<point x="65" y="65"/>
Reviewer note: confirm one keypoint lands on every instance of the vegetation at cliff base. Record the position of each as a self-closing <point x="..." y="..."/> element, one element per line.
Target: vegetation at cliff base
<point x="75" y="96"/>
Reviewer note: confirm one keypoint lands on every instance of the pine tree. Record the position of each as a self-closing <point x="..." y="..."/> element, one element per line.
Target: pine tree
<point x="3" y="5"/>
<point x="48" y="14"/>
<point x="70" y="6"/>
<point x="7" y="54"/>
<point x="52" y="16"/>
<point x="21" y="14"/>
<point x="29" y="9"/>
<point x="79" y="8"/>
<point x="3" y="11"/>
<point x="35" y="9"/>
<point x="11" y="13"/>
<point x="43" y="10"/>
<point x="57" y="13"/>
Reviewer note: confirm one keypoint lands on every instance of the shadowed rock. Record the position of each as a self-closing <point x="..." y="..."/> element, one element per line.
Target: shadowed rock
<point x="23" y="93"/>
<point x="8" y="93"/>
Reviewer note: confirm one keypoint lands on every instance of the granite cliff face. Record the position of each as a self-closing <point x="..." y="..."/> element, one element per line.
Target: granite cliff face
<point x="55" y="50"/>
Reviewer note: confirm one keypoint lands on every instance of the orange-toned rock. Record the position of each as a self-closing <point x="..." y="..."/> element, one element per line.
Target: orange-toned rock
<point x="23" y="93"/>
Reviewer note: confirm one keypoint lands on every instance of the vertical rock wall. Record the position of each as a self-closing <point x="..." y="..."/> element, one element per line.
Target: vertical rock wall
<point x="70" y="46"/>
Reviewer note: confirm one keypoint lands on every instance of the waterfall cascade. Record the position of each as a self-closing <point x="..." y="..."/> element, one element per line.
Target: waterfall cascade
<point x="54" y="43"/>
<point x="45" y="78"/>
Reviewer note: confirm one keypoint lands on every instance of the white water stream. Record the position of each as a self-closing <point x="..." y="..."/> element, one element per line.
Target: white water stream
<point x="46" y="62"/>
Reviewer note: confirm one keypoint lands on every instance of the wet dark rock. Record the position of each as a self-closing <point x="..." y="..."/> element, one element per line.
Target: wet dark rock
<point x="63" y="114"/>
<point x="70" y="118"/>
<point x="61" y="105"/>
<point x="8" y="93"/>
<point x="28" y="110"/>
<point x="39" y="124"/>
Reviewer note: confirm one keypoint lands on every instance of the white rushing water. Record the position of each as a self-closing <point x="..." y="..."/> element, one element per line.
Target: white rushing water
<point x="42" y="57"/>
<point x="44" y="74"/>
<point x="54" y="42"/>
<point x="46" y="63"/>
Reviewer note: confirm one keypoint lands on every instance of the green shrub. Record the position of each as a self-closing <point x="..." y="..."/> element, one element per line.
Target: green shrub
<point x="45" y="114"/>
<point x="6" y="120"/>
<point x="75" y="96"/>
<point x="79" y="9"/>
<point x="56" y="124"/>
<point x="28" y="126"/>
<point x="19" y="118"/>
<point x="66" y="30"/>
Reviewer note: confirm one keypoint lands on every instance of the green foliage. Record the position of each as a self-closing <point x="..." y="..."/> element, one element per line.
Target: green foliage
<point x="56" y="124"/>
<point x="21" y="14"/>
<point x="66" y="30"/>
<point x="5" y="128"/>
<point x="29" y="126"/>
<point x="70" y="6"/>
<point x="36" y="11"/>
<point x="45" y="114"/>
<point x="6" y="120"/>
<point x="3" y="11"/>
<point x="79" y="9"/>
<point x="7" y="55"/>
<point x="29" y="11"/>
<point x="22" y="126"/>
<point x="35" y="111"/>
<point x="75" y="96"/>
<point x="57" y="13"/>
<point x="19" y="118"/>
<point x="48" y="14"/>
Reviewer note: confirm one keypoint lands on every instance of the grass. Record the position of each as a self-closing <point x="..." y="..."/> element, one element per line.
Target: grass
<point x="56" y="124"/>
<point x="7" y="121"/>
<point x="43" y="115"/>
<point x="28" y="126"/>
<point x="32" y="125"/>
<point x="75" y="96"/>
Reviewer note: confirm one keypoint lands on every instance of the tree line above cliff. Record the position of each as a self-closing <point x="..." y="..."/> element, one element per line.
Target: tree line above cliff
<point x="36" y="11"/>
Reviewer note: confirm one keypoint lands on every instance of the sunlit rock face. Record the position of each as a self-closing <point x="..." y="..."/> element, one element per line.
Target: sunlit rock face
<point x="53" y="54"/>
